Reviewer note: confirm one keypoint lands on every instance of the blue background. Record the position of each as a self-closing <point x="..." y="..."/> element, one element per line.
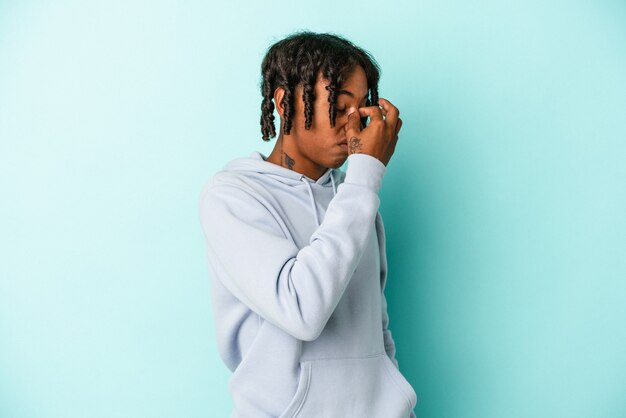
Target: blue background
<point x="504" y="203"/>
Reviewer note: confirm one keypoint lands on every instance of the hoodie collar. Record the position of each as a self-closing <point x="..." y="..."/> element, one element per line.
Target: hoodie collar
<point x="257" y="163"/>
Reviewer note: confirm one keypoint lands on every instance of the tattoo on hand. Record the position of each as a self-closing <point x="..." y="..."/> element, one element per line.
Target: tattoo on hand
<point x="354" y="145"/>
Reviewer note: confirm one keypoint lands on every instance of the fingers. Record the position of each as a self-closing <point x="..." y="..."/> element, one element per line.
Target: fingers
<point x="374" y="112"/>
<point x="354" y="123"/>
<point x="398" y="126"/>
<point x="391" y="120"/>
<point x="391" y="113"/>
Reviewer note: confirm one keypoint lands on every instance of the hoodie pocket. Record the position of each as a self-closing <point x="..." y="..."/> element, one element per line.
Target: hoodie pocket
<point x="301" y="392"/>
<point x="351" y="387"/>
<point x="403" y="385"/>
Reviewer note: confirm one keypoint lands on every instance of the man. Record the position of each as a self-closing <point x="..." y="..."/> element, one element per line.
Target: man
<point x="296" y="247"/>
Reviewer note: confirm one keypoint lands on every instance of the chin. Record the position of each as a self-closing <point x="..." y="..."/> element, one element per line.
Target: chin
<point x="338" y="162"/>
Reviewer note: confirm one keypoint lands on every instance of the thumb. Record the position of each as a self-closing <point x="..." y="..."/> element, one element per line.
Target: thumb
<point x="354" y="122"/>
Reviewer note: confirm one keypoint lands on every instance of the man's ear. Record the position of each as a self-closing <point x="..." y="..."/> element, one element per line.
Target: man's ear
<point x="278" y="98"/>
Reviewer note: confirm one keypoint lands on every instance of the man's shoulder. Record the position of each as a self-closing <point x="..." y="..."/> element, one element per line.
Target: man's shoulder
<point x="225" y="179"/>
<point x="225" y="185"/>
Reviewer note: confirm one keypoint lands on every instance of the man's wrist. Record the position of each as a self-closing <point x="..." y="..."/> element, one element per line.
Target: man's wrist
<point x="365" y="170"/>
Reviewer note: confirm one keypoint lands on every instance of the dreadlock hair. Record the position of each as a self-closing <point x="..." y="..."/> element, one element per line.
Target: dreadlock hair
<point x="297" y="59"/>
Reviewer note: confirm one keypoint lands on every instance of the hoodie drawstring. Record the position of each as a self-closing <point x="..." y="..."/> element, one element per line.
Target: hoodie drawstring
<point x="332" y="179"/>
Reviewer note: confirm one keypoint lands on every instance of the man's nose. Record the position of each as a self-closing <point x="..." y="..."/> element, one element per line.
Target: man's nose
<point x="346" y="113"/>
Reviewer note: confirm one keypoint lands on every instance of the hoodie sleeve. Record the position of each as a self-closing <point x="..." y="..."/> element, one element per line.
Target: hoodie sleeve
<point x="295" y="289"/>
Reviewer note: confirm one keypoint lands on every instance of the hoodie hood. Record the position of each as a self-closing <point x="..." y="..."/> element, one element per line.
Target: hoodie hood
<point x="256" y="163"/>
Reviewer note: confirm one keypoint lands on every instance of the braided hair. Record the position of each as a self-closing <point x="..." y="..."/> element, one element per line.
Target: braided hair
<point x="297" y="59"/>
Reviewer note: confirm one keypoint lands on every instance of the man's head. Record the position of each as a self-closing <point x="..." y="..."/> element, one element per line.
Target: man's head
<point x="314" y="79"/>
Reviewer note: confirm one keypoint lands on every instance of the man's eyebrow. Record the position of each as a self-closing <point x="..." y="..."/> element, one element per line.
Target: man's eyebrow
<point x="349" y="93"/>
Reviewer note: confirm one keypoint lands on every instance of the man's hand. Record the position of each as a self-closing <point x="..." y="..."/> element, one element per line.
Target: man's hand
<point x="380" y="136"/>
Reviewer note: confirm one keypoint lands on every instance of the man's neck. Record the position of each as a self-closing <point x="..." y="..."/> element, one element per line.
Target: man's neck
<point x="292" y="160"/>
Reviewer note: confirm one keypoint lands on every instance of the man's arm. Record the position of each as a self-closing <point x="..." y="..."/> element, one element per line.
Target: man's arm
<point x="295" y="289"/>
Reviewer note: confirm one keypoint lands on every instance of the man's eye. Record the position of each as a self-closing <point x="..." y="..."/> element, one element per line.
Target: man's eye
<point x="341" y="110"/>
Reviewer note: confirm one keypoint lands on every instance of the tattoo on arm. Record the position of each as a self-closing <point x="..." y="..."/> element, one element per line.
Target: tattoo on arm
<point x="354" y="145"/>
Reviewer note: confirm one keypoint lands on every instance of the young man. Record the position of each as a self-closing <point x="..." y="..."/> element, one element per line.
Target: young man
<point x="296" y="247"/>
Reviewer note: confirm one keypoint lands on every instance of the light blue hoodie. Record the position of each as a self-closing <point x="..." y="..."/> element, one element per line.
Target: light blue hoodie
<point x="298" y="270"/>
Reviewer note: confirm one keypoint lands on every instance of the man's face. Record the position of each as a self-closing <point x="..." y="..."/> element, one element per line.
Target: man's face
<point x="320" y="143"/>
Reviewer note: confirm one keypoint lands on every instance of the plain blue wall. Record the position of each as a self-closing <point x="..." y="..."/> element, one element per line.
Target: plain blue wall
<point x="505" y="202"/>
